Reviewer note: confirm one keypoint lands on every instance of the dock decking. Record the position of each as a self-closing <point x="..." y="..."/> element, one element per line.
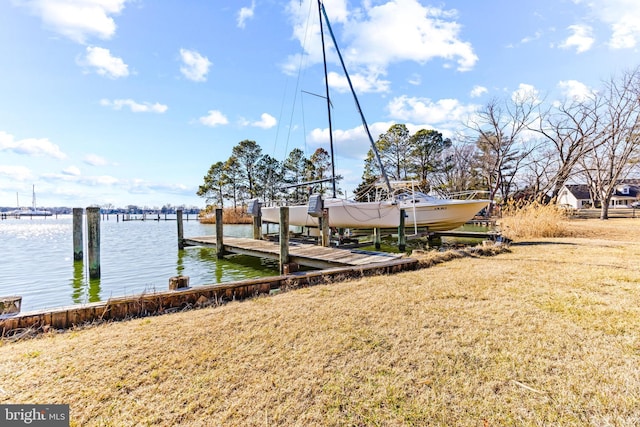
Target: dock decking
<point x="300" y="253"/>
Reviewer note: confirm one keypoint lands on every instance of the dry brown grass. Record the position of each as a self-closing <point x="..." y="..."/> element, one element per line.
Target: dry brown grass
<point x="229" y="216"/>
<point x="546" y="334"/>
<point x="524" y="220"/>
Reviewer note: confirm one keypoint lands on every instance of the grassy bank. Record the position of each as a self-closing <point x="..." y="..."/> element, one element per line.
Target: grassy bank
<point x="546" y="334"/>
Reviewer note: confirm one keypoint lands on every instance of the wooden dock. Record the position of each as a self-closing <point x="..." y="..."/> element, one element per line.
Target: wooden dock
<point x="491" y="235"/>
<point x="300" y="253"/>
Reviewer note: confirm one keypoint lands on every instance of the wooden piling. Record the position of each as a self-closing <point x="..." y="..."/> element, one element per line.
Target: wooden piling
<point x="178" y="282"/>
<point x="402" y="238"/>
<point x="219" y="235"/>
<point x="257" y="225"/>
<point x="78" y="253"/>
<point x="180" y="229"/>
<point x="325" y="231"/>
<point x="93" y="237"/>
<point x="284" y="237"/>
<point x="10" y="305"/>
<point x="376" y="238"/>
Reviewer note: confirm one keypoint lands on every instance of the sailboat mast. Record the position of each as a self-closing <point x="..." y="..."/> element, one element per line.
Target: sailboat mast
<point x="355" y="98"/>
<point x="33" y="189"/>
<point x="326" y="86"/>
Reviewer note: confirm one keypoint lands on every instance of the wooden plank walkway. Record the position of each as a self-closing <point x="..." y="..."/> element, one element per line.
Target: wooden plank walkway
<point x="301" y="253"/>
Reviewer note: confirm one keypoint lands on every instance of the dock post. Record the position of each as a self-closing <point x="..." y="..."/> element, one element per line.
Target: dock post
<point x="376" y="238"/>
<point x="10" y="305"/>
<point x="284" y="237"/>
<point x="93" y="237"/>
<point x="219" y="239"/>
<point x="78" y="254"/>
<point x="402" y="239"/>
<point x="324" y="228"/>
<point x="180" y="229"/>
<point x="257" y="226"/>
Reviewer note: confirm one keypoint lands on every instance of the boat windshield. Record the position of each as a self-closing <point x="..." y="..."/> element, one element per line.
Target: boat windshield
<point x="415" y="197"/>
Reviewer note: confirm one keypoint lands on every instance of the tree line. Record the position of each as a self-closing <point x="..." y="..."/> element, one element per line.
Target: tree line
<point x="517" y="146"/>
<point x="248" y="174"/>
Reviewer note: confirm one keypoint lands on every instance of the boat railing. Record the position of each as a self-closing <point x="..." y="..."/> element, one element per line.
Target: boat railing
<point x="466" y="195"/>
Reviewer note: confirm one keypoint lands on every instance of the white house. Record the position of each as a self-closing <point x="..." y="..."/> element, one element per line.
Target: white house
<point x="577" y="195"/>
<point x="574" y="195"/>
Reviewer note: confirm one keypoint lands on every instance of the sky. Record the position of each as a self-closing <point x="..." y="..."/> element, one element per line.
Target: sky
<point x="129" y="102"/>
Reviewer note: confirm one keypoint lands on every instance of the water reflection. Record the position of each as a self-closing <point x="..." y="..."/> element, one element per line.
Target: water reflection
<point x="77" y="283"/>
<point x="94" y="290"/>
<point x="180" y="263"/>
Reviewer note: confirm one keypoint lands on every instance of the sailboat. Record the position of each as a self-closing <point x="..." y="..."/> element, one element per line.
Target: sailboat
<point x="32" y="211"/>
<point x="418" y="209"/>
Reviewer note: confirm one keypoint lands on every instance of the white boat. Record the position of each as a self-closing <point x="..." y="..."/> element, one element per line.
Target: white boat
<point x="29" y="212"/>
<point x="420" y="210"/>
<point x="32" y="211"/>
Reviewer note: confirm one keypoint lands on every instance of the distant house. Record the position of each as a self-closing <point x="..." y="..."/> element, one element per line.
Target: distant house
<point x="577" y="195"/>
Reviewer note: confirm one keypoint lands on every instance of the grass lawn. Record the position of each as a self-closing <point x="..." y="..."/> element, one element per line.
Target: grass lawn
<point x="545" y="334"/>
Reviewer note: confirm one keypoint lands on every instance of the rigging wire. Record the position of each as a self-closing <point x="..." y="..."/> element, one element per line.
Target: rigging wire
<point x="284" y="96"/>
<point x="355" y="98"/>
<point x="299" y="76"/>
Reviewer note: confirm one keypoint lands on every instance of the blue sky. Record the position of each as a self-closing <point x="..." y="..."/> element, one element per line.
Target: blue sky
<point x="130" y="101"/>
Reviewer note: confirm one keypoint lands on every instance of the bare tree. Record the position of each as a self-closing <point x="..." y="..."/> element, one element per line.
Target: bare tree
<point x="617" y="141"/>
<point x="460" y="173"/>
<point x="569" y="132"/>
<point x="502" y="149"/>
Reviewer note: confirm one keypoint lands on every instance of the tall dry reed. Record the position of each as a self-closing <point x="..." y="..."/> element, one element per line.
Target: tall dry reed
<point x="229" y="216"/>
<point x="523" y="220"/>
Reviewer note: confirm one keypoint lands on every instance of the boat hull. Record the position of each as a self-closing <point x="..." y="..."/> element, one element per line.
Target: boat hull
<point x="436" y="216"/>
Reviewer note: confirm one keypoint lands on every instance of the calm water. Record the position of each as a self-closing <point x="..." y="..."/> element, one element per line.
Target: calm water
<point x="36" y="260"/>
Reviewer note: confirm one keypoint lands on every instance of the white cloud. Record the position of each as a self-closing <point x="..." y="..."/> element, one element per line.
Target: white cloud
<point x="100" y="180"/>
<point x="424" y="110"/>
<point x="267" y="121"/>
<point x="362" y="83"/>
<point x="478" y="91"/>
<point x="30" y="147"/>
<point x="95" y="160"/>
<point x="376" y="36"/>
<point x="72" y="171"/>
<point x="77" y="19"/>
<point x="415" y="79"/>
<point x="405" y="30"/>
<point x="524" y="93"/>
<point x="580" y="38"/>
<point x="349" y="143"/>
<point x="135" y="107"/>
<point x="245" y="13"/>
<point x="195" y="65"/>
<point x="575" y="90"/>
<point x="622" y="16"/>
<point x="214" y="118"/>
<point x="529" y="39"/>
<point x="104" y="63"/>
<point x="18" y="173"/>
